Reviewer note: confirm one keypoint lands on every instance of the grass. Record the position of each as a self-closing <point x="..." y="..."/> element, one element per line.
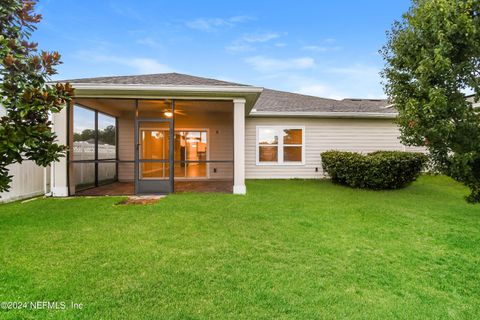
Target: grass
<point x="289" y="249"/>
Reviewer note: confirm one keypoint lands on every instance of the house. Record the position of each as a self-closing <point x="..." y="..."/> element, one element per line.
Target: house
<point x="163" y="133"/>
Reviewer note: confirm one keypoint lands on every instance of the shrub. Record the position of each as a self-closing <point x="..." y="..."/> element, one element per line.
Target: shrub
<point x="376" y="170"/>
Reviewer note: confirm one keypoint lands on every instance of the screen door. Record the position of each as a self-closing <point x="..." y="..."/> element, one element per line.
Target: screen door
<point x="154" y="156"/>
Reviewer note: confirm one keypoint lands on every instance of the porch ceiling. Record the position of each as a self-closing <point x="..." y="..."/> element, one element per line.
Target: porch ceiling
<point x="250" y="94"/>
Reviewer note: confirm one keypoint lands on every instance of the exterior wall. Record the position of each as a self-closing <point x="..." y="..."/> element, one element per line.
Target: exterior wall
<point x="126" y="146"/>
<point x="359" y="135"/>
<point x="28" y="179"/>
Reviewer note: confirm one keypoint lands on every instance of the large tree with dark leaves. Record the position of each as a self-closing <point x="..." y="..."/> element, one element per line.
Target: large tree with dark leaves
<point x="433" y="59"/>
<point x="26" y="95"/>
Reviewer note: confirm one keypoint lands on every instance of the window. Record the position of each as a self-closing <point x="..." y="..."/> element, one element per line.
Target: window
<point x="280" y="145"/>
<point x="267" y="145"/>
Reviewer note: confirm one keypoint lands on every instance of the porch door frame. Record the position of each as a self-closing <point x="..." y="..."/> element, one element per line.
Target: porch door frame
<point x="149" y="186"/>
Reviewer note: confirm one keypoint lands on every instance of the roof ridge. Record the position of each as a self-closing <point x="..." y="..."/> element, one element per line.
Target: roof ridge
<point x="364" y="99"/>
<point x="157" y="78"/>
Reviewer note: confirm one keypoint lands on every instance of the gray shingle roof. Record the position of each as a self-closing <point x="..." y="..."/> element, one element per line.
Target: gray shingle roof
<point x="281" y="101"/>
<point x="269" y="100"/>
<point x="172" y="79"/>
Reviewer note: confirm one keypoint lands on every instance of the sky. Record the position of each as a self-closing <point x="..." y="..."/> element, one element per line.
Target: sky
<point x="322" y="48"/>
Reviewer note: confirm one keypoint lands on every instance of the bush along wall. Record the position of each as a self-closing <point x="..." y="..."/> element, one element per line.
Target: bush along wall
<point x="377" y="170"/>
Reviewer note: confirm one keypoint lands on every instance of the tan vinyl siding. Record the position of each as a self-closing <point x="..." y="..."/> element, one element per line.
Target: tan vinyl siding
<point x="359" y="135"/>
<point x="126" y="146"/>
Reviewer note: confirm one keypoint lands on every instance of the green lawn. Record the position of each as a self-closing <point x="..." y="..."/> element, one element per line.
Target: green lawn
<point x="289" y="249"/>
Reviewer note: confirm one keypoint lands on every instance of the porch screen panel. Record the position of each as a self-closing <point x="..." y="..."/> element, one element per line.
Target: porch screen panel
<point x="83" y="134"/>
<point x="84" y="174"/>
<point x="83" y="147"/>
<point x="107" y="149"/>
<point x="191" y="149"/>
<point x="107" y="136"/>
<point x="94" y="159"/>
<point x="203" y="152"/>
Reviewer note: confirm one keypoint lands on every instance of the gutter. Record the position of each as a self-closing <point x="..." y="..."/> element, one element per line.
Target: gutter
<point x="151" y="91"/>
<point x="299" y="114"/>
<point x="185" y="88"/>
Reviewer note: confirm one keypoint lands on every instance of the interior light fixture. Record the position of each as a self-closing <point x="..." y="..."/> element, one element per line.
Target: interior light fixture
<point x="168" y="114"/>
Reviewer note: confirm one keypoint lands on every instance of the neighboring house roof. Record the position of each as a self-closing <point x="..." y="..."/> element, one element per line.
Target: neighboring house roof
<point x="471" y="98"/>
<point x="167" y="79"/>
<point x="269" y="103"/>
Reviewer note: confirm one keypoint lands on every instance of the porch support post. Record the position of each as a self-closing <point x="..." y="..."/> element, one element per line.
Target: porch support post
<point x="59" y="181"/>
<point x="239" y="146"/>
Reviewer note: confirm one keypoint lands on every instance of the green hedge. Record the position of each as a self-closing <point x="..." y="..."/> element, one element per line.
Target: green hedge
<point x="376" y="170"/>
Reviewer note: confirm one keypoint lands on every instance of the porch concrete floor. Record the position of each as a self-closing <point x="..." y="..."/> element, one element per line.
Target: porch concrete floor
<point x="128" y="188"/>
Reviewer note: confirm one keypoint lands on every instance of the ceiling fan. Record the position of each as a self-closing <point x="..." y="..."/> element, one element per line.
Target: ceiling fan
<point x="167" y="110"/>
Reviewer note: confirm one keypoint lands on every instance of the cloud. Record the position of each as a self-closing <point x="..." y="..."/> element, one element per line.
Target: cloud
<point x="149" y="42"/>
<point x="315" y="48"/>
<point x="321" y="48"/>
<point x="137" y="64"/>
<point x="313" y="86"/>
<point x="260" y="37"/>
<point x="213" y="24"/>
<point x="366" y="78"/>
<point x="240" y="47"/>
<point x="125" y="11"/>
<point x="240" y="19"/>
<point x="317" y="85"/>
<point x="145" y="65"/>
<point x="324" y="46"/>
<point x="265" y="64"/>
<point x="244" y="43"/>
<point x="320" y="90"/>
<point x="357" y="70"/>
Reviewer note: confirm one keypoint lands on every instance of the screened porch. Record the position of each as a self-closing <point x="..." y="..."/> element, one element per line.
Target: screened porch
<point x="150" y="146"/>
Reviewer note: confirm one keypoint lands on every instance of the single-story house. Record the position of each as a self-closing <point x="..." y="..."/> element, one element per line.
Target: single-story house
<point x="171" y="132"/>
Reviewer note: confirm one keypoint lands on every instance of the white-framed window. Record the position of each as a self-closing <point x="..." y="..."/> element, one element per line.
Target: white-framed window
<point x="280" y="145"/>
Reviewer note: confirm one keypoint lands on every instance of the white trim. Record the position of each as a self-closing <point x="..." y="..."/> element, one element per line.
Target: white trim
<point x="239" y="147"/>
<point x="374" y="115"/>
<point x="280" y="147"/>
<point x="185" y="88"/>
<point x="239" y="100"/>
<point x="240" y="189"/>
<point x="60" y="191"/>
<point x="59" y="184"/>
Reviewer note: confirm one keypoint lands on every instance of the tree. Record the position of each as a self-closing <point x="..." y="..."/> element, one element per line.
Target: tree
<point x="107" y="135"/>
<point x="432" y="58"/>
<point x="26" y="95"/>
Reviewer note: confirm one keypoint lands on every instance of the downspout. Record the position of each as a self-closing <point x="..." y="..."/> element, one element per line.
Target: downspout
<point x="52" y="166"/>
